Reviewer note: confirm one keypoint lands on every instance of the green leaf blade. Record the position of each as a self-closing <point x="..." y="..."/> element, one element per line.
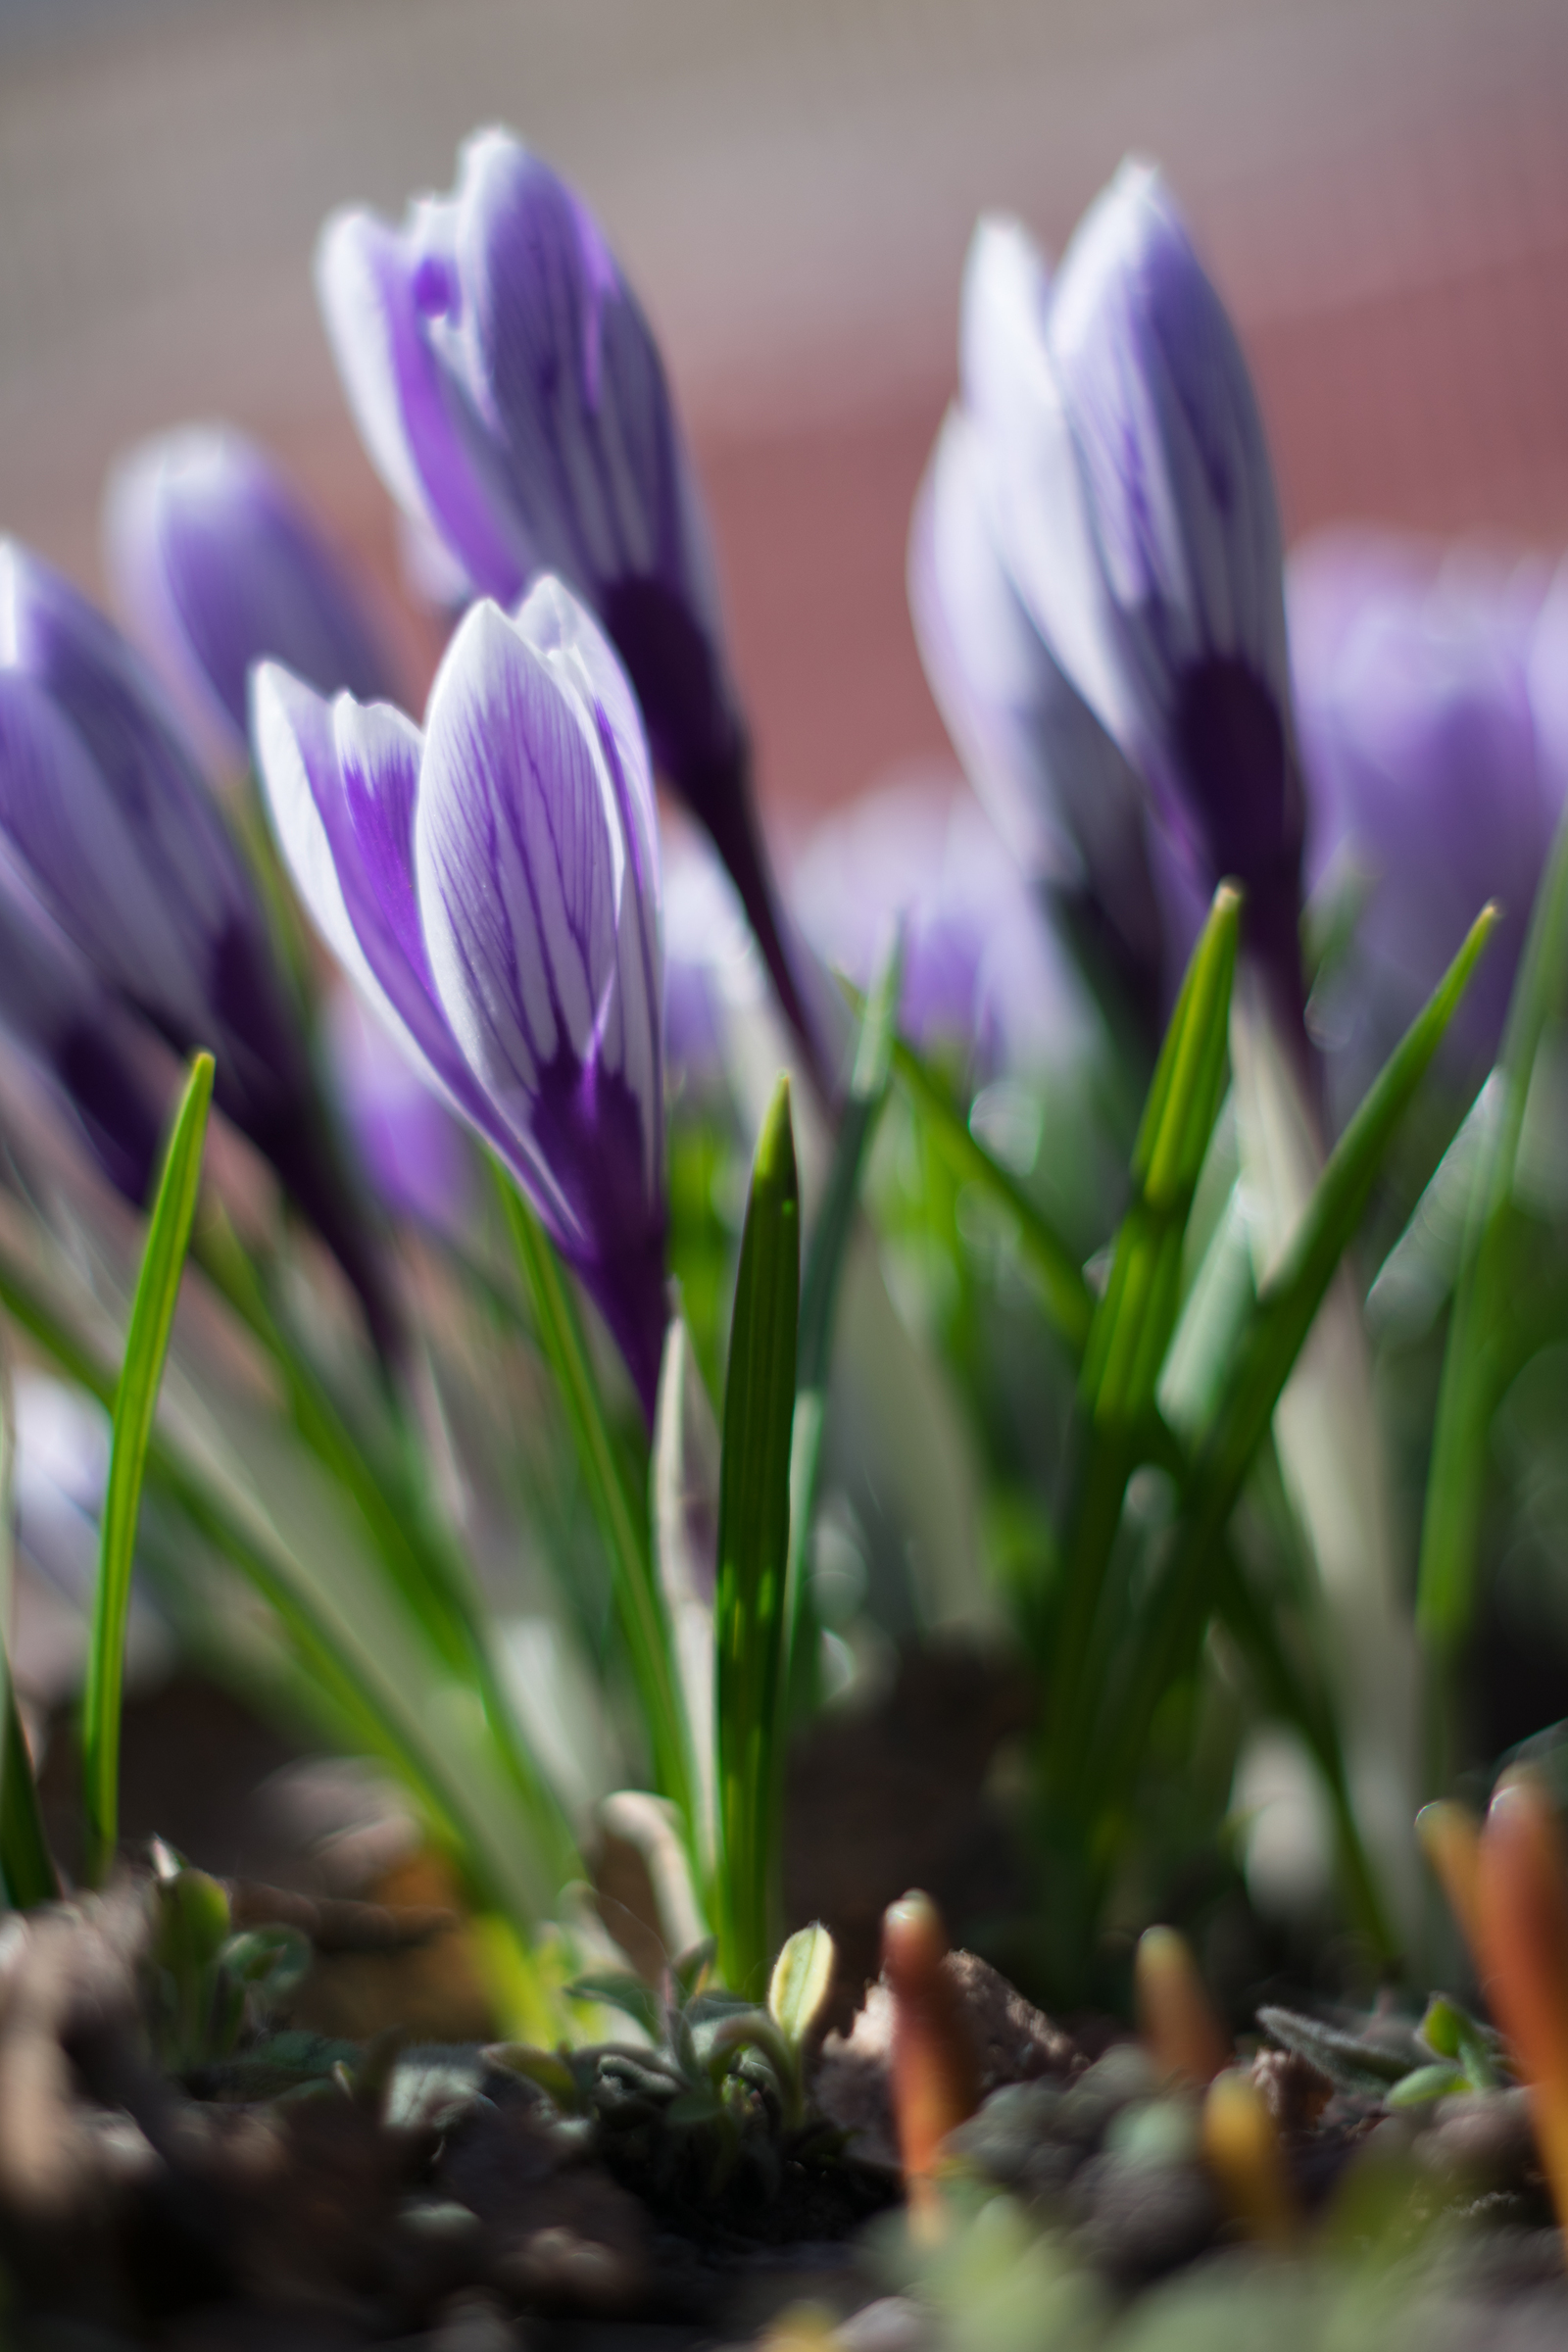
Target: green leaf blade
<point x="152" y="1319"/>
<point x="870" y="1082"/>
<point x="1136" y="1317"/>
<point x="1262" y="1363"/>
<point x="753" y="1540"/>
<point x="1067" y="1296"/>
<point x="1291" y="1296"/>
<point x="639" y="1603"/>
<point x="1497" y="1234"/>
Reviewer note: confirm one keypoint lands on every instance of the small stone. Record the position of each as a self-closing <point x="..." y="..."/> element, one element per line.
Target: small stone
<point x="1292" y="2088"/>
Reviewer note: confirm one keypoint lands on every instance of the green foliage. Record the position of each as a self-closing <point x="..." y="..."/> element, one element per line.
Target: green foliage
<point x="1066" y="1296"/>
<point x="28" y="1873"/>
<point x="1134" y="1319"/>
<point x="208" y="1980"/>
<point x="802" y="1980"/>
<point x="141" y="1373"/>
<point x="862" y="1108"/>
<point x="754" y="1536"/>
<point x="714" y="2077"/>
<point x="1267" y="1349"/>
<point x="246" y="1492"/>
<point x="639" y="1603"/>
<point x="1512" y="1284"/>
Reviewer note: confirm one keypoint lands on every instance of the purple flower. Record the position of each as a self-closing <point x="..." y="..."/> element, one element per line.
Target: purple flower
<point x="1424" y="682"/>
<point x="982" y="969"/>
<point x="1136" y="509"/>
<point x="492" y="888"/>
<point x="216" y="566"/>
<point x="53" y="1010"/>
<point x="1056" y="786"/>
<point x="105" y="817"/>
<point x="509" y="389"/>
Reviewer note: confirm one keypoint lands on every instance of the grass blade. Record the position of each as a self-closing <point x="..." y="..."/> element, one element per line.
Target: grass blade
<point x="267" y="1510"/>
<point x="27" y="1865"/>
<point x="753" y="1545"/>
<point x="1497" y="1257"/>
<point x="870" y="1081"/>
<point x="1134" y="1320"/>
<point x="638" y="1603"/>
<point x="684" y="1479"/>
<point x="1068" y="1299"/>
<point x="1274" y="1336"/>
<point x="1291" y="1297"/>
<point x="418" y="1559"/>
<point x="141" y="1372"/>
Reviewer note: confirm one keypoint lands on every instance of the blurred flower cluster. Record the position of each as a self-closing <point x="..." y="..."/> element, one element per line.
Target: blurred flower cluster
<point x="1432" y="685"/>
<point x="404" y="939"/>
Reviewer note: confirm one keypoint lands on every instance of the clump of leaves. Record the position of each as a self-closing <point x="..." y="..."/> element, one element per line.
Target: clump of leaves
<point x="1394" y="2060"/>
<point x="705" y="2114"/>
<point x="210" y="1985"/>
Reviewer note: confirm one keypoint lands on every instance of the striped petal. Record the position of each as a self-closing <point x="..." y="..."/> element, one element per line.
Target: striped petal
<point x="1171" y="440"/>
<point x="341" y="784"/>
<point x="520" y="863"/>
<point x="559" y="357"/>
<point x="365" y="276"/>
<point x="215" y="566"/>
<point x="1029" y="472"/>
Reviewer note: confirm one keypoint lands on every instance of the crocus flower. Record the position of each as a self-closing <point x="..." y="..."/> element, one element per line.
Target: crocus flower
<point x="1135" y="505"/>
<point x="55" y="1011"/>
<point x="491" y="886"/>
<point x="513" y="397"/>
<point x="1058" y="787"/>
<point x="982" y="969"/>
<point x="214" y="564"/>
<point x="1431" y="770"/>
<point x="106" y="815"/>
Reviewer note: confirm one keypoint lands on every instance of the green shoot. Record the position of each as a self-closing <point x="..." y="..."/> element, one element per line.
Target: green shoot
<point x="1500" y="1267"/>
<point x="753" y="1544"/>
<point x="638" y="1602"/>
<point x="152" y="1319"/>
<point x="1261" y="1364"/>
<point x="264" y="1507"/>
<point x="26" y="1866"/>
<point x="870" y="1081"/>
<point x="1133" y="1322"/>
<point x="1068" y="1299"/>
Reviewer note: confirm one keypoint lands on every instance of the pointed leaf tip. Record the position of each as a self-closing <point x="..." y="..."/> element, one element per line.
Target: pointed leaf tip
<point x="802" y="1977"/>
<point x="774" y="1168"/>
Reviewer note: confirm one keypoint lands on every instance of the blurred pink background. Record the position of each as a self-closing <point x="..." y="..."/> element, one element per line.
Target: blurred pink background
<point x="1381" y="188"/>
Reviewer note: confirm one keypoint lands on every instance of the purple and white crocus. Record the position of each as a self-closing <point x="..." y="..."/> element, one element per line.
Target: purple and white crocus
<point x="1059" y="790"/>
<point x="65" y="1023"/>
<point x="106" y="817"/>
<point x="214" y="566"/>
<point x="1431" y="684"/>
<point x="1127" y="483"/>
<point x="491" y="886"/>
<point x="509" y="390"/>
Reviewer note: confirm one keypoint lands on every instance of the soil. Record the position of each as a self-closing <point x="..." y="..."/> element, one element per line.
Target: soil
<point x="366" y="2170"/>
